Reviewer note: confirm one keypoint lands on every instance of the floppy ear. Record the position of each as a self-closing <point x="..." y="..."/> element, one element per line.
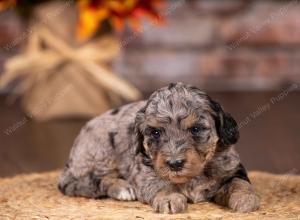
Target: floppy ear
<point x="230" y="132"/>
<point x="138" y="140"/>
<point x="226" y="126"/>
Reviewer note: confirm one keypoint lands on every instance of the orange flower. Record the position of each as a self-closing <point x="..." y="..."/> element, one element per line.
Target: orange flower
<point x="4" y="4"/>
<point x="116" y="12"/>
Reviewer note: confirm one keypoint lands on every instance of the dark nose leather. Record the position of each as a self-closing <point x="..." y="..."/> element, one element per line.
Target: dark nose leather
<point x="176" y="165"/>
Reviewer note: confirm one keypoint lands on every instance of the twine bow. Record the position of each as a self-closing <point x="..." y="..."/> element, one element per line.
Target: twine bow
<point x="37" y="60"/>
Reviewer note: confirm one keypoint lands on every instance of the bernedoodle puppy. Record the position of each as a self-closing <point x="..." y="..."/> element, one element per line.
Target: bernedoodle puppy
<point x="174" y="148"/>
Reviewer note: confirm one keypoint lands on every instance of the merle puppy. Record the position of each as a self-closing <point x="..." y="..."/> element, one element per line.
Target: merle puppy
<point x="174" y="148"/>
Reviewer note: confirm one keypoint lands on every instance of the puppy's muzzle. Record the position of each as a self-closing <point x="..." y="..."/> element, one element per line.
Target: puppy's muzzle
<point x="175" y="165"/>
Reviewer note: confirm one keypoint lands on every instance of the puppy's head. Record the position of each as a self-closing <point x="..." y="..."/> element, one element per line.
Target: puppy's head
<point x="180" y="129"/>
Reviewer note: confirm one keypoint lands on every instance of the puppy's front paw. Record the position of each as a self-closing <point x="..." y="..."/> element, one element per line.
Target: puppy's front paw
<point x="169" y="204"/>
<point x="243" y="202"/>
<point x="122" y="191"/>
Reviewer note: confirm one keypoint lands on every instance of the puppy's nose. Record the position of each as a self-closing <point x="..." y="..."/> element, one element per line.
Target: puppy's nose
<point x="176" y="165"/>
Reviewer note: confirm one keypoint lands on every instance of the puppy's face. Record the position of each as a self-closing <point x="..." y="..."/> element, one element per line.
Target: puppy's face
<point x="180" y="131"/>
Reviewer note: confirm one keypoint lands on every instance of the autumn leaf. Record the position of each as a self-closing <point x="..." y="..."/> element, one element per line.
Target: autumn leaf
<point x="117" y="12"/>
<point x="4" y="4"/>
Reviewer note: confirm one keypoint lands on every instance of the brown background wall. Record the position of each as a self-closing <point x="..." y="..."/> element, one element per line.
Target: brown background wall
<point x="218" y="45"/>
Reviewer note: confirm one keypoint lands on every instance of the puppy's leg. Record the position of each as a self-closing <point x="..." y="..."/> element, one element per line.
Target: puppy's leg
<point x="88" y="185"/>
<point x="93" y="186"/>
<point x="92" y="160"/>
<point x="238" y="194"/>
<point x="161" y="195"/>
<point x="170" y="201"/>
<point x="119" y="189"/>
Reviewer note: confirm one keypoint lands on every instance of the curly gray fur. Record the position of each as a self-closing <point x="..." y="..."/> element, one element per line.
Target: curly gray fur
<point x="174" y="148"/>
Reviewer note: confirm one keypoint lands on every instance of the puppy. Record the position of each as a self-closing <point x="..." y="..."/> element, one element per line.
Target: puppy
<point x="174" y="148"/>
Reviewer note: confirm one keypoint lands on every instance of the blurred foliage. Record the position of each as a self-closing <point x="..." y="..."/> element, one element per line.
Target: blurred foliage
<point x="6" y="4"/>
<point x="93" y="14"/>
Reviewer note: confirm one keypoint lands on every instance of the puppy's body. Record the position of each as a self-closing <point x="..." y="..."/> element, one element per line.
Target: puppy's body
<point x="102" y="146"/>
<point x="166" y="151"/>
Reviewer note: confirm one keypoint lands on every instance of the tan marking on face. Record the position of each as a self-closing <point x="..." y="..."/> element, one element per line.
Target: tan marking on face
<point x="189" y="121"/>
<point x="147" y="148"/>
<point x="152" y="122"/>
<point x="194" y="162"/>
<point x="210" y="151"/>
<point x="192" y="168"/>
<point x="211" y="148"/>
<point x="160" y="166"/>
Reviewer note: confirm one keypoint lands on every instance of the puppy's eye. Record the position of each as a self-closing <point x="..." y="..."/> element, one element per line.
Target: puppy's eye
<point x="196" y="129"/>
<point x="155" y="133"/>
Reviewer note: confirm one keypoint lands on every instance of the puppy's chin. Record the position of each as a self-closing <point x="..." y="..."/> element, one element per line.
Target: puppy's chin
<point x="192" y="168"/>
<point x="178" y="178"/>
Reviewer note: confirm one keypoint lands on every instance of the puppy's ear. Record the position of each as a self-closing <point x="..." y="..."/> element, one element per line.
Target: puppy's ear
<point x="138" y="142"/>
<point x="226" y="126"/>
<point x="138" y="137"/>
<point x="230" y="129"/>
